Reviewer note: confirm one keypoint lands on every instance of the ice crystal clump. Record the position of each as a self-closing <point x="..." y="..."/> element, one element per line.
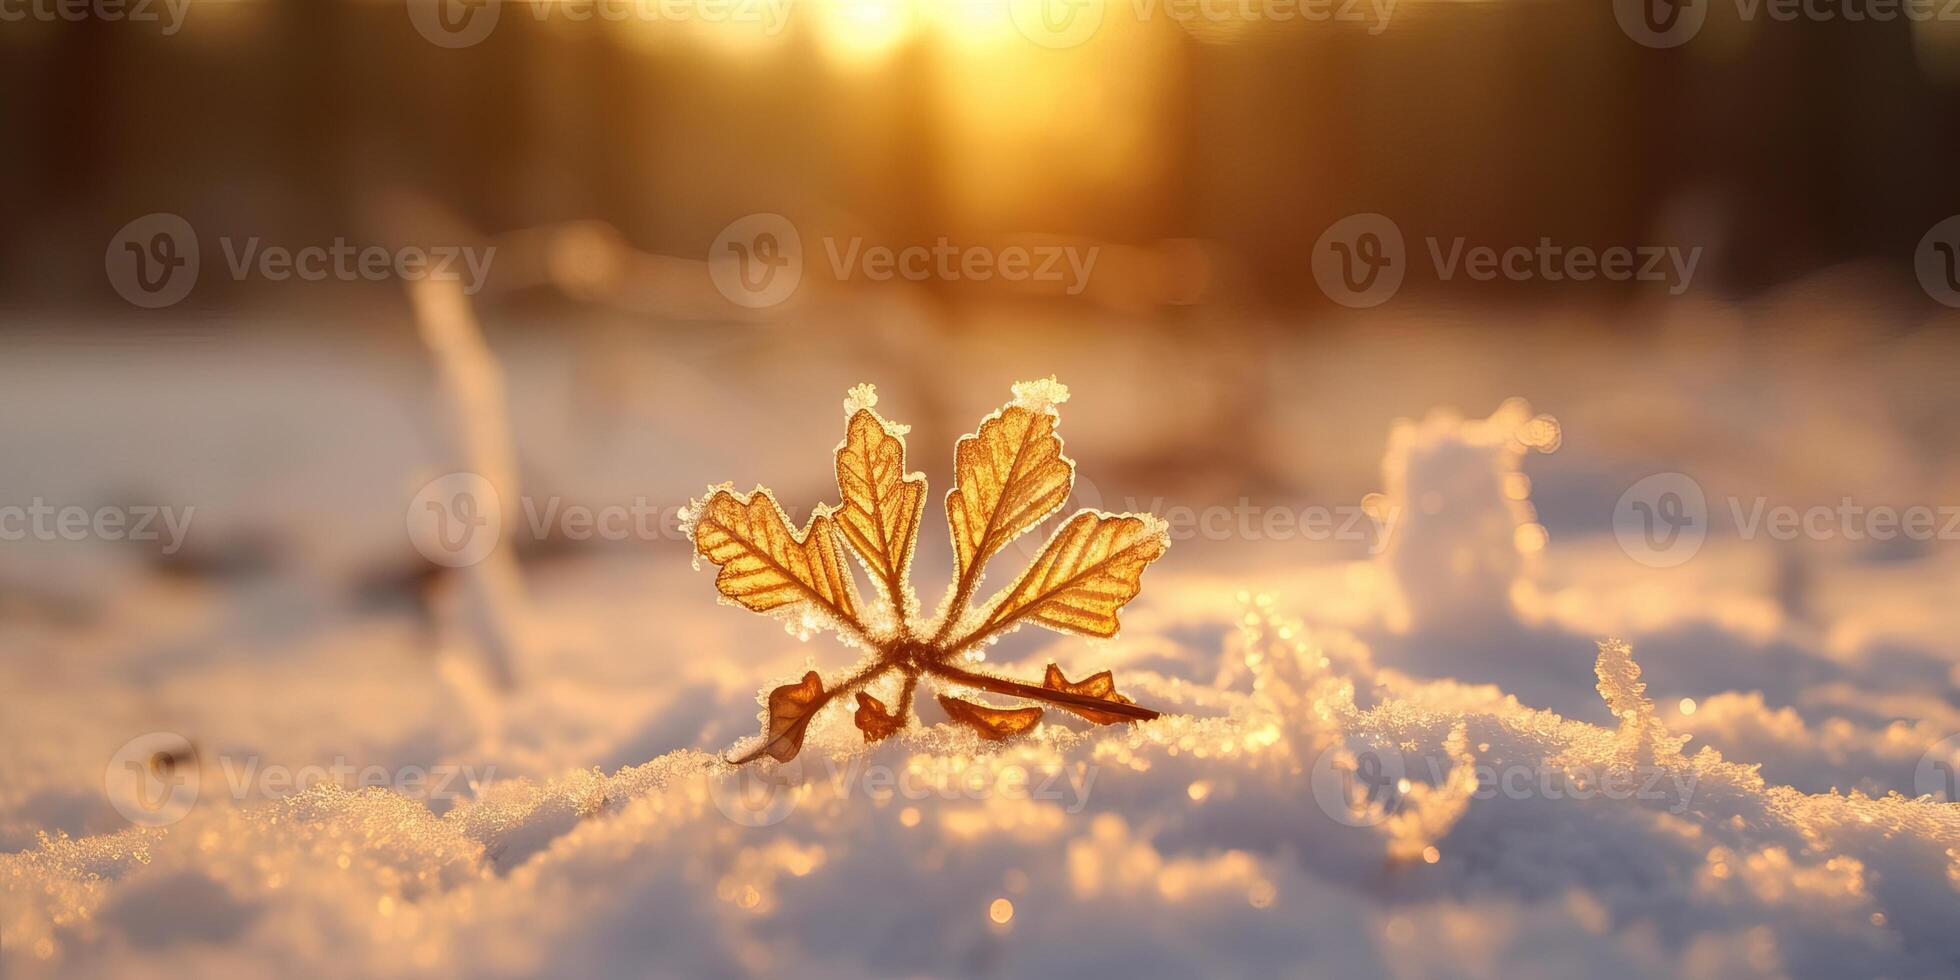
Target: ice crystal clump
<point x="1040" y="396"/>
<point x="1464" y="532"/>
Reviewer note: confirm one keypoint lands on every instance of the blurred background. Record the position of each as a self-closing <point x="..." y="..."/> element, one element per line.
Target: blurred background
<point x="1783" y="147"/>
<point x="601" y="147"/>
<point x="610" y="154"/>
<point x="1246" y="234"/>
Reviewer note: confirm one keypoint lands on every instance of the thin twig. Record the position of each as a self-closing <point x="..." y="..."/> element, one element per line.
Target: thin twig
<point x="1013" y="688"/>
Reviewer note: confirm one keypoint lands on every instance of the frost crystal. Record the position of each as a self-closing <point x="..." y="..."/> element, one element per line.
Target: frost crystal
<point x="860" y="397"/>
<point x="1620" y="683"/>
<point x="1040" y="396"/>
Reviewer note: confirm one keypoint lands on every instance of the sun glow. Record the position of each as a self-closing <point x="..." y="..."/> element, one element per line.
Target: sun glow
<point x="863" y="33"/>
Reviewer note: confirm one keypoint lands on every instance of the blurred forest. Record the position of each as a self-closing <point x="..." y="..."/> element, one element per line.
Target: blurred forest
<point x="302" y="120"/>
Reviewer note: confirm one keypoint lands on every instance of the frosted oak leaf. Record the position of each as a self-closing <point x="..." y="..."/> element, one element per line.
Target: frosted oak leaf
<point x="1009" y="475"/>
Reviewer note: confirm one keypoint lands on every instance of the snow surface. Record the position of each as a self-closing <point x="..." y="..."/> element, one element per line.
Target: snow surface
<point x="1770" y="836"/>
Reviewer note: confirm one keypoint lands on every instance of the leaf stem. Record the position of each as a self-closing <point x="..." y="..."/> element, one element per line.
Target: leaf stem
<point x="905" y="693"/>
<point x="1013" y="688"/>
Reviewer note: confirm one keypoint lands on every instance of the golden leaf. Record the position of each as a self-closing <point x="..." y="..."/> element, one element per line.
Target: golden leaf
<point x="1099" y="685"/>
<point x="882" y="503"/>
<point x="1011" y="474"/>
<point x="765" y="565"/>
<point x="993" y="724"/>
<point x="790" y="709"/>
<point x="873" y="720"/>
<point x="1089" y="569"/>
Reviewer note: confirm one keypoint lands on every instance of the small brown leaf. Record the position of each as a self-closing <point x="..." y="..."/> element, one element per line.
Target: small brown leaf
<point x="790" y="709"/>
<point x="1100" y="685"/>
<point x="873" y="720"/>
<point x="992" y="724"/>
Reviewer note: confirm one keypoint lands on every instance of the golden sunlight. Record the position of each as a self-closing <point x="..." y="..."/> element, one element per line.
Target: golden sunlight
<point x="863" y="33"/>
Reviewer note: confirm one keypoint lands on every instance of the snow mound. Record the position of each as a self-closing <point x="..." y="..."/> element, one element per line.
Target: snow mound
<point x="1325" y="816"/>
<point x="1308" y="805"/>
